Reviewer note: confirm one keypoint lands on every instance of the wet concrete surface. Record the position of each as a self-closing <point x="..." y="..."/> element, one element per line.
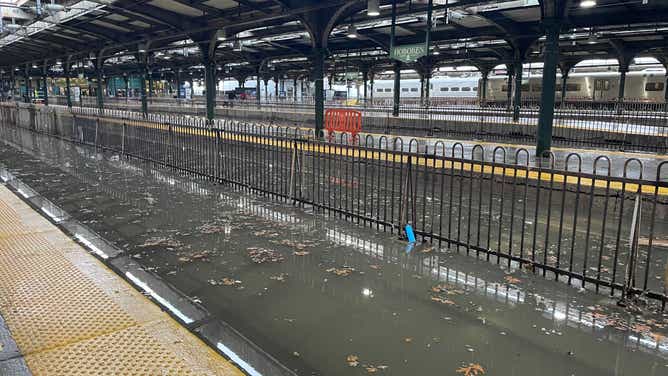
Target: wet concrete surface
<point x="326" y="297"/>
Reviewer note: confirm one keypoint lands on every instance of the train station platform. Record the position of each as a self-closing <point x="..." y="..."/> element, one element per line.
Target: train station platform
<point x="63" y="312"/>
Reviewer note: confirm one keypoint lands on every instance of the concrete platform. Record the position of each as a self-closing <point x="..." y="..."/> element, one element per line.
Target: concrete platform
<point x="66" y="313"/>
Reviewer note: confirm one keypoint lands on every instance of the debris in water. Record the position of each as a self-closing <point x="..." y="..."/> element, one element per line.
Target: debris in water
<point x="374" y="267"/>
<point x="512" y="280"/>
<point x="224" y="282"/>
<point x="204" y="256"/>
<point x="280" y="277"/>
<point x="341" y="272"/>
<point x="209" y="228"/>
<point x="169" y="244"/>
<point x="473" y="369"/>
<point x="353" y="360"/>
<point x="296" y="354"/>
<point x="408" y="340"/>
<point x="442" y="300"/>
<point x="301" y="253"/>
<point x="262" y="255"/>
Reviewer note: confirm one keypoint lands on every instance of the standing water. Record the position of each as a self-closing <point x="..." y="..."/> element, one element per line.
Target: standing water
<point x="326" y="297"/>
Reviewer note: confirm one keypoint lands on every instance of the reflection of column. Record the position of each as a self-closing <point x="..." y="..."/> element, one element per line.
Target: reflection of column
<point x="483" y="88"/>
<point x="564" y="85"/>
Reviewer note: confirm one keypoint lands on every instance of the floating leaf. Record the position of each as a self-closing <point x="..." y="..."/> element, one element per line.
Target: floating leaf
<point x="473" y="369"/>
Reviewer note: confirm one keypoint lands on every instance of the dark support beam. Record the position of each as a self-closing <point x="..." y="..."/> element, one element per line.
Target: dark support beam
<point x="258" y="80"/>
<point x="318" y="76"/>
<point x="142" y="82"/>
<point x="28" y="84"/>
<point x="365" y="78"/>
<point x="210" y="86"/>
<point x="371" y="82"/>
<point x="178" y="83"/>
<point x="99" y="62"/>
<point x="483" y="87"/>
<point x="517" y="97"/>
<point x="45" y="87"/>
<point x="551" y="60"/>
<point x="68" y="89"/>
<point x="397" y="89"/>
<point x="624" y="63"/>
<point x="126" y="81"/>
<point x="509" y="93"/>
<point x="150" y="83"/>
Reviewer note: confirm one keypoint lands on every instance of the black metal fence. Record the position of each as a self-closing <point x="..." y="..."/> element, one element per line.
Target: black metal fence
<point x="591" y="229"/>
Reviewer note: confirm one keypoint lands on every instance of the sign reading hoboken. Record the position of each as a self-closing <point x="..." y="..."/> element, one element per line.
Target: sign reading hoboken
<point x="409" y="53"/>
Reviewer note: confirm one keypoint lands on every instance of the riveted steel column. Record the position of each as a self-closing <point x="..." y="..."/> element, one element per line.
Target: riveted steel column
<point x="517" y="101"/>
<point x="397" y="88"/>
<point x="68" y="90"/>
<point x="551" y="59"/>
<point x="45" y="87"/>
<point x="365" y="78"/>
<point x="623" y="69"/>
<point x="318" y="72"/>
<point x="483" y="88"/>
<point x="564" y="85"/>
<point x="210" y="87"/>
<point x="144" y="100"/>
<point x="100" y="84"/>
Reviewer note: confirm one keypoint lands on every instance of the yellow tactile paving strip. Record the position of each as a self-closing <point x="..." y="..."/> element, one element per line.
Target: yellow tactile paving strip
<point x="70" y="315"/>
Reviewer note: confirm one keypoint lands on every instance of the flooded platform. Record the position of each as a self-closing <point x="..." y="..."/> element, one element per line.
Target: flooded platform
<point x="66" y="313"/>
<point x="325" y="297"/>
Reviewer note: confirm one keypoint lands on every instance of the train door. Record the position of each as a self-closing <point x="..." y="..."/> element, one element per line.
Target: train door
<point x="601" y="87"/>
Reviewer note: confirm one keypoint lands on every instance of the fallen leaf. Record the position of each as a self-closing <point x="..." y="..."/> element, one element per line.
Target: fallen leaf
<point x="512" y="280"/>
<point x="301" y="253"/>
<point x="473" y="369"/>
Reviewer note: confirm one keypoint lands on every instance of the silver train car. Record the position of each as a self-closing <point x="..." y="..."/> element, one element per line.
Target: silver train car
<point x="641" y="86"/>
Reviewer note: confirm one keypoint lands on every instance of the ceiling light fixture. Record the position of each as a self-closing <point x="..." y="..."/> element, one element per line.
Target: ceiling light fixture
<point x="372" y="8"/>
<point x="587" y="3"/>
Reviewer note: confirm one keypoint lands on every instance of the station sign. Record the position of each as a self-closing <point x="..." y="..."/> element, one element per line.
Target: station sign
<point x="409" y="53"/>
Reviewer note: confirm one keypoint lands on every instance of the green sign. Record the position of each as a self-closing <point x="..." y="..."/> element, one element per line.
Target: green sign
<point x="409" y="53"/>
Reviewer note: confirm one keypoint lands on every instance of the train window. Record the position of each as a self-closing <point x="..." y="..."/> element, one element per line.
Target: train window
<point x="445" y="89"/>
<point x="466" y="89"/>
<point x="475" y="89"/>
<point x="654" y="86"/>
<point x="388" y="90"/>
<point x="404" y="89"/>
<point x="504" y="88"/>
<point x="431" y="87"/>
<point x="525" y="87"/>
<point x="414" y="89"/>
<point x="454" y="89"/>
<point x="573" y="87"/>
<point x="536" y="88"/>
<point x="602" y="85"/>
<point x="379" y="90"/>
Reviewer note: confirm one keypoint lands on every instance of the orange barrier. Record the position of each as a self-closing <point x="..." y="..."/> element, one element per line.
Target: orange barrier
<point x="342" y="120"/>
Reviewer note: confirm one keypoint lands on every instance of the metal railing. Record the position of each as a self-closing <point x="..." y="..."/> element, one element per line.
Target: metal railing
<point x="631" y="126"/>
<point x="591" y="229"/>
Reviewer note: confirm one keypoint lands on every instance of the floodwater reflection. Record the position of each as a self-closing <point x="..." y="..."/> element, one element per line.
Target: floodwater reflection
<point x="330" y="298"/>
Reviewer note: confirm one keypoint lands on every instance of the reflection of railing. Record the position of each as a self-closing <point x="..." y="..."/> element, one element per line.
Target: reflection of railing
<point x="563" y="223"/>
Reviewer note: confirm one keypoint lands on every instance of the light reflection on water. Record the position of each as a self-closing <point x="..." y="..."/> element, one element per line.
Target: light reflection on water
<point x="367" y="313"/>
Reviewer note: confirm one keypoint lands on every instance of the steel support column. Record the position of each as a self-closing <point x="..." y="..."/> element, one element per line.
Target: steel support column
<point x="210" y="87"/>
<point x="623" y="69"/>
<point x="258" y="80"/>
<point x="178" y="84"/>
<point x="546" y="115"/>
<point x="564" y="85"/>
<point x="318" y="73"/>
<point x="45" y="87"/>
<point x="397" y="89"/>
<point x="509" y="87"/>
<point x="68" y="89"/>
<point x="100" y="84"/>
<point x="365" y="78"/>
<point x="517" y="100"/>
<point x="483" y="87"/>
<point x="144" y="100"/>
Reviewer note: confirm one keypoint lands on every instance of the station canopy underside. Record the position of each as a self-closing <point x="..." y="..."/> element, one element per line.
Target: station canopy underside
<point x="277" y="38"/>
